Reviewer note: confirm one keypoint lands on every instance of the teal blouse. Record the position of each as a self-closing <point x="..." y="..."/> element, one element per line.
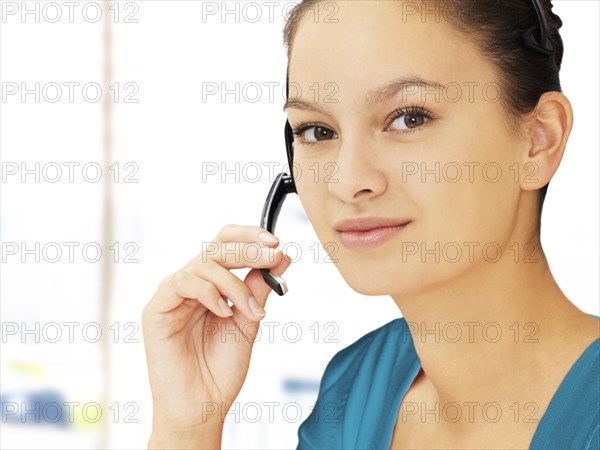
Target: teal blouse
<point x="363" y="385"/>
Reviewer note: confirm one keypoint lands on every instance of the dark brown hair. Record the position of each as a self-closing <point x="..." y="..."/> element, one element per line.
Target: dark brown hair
<point x="496" y="27"/>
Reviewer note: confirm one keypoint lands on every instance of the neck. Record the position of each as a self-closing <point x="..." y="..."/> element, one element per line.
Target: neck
<point x="494" y="328"/>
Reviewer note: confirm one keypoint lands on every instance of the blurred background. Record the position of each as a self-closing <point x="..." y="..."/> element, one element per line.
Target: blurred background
<point x="131" y="132"/>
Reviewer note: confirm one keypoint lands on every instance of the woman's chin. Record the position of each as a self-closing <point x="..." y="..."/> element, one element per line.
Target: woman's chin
<point x="378" y="286"/>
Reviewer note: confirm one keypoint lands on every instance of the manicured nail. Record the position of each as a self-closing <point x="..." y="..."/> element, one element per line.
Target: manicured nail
<point x="268" y="253"/>
<point x="268" y="237"/>
<point x="255" y="307"/>
<point x="225" y="307"/>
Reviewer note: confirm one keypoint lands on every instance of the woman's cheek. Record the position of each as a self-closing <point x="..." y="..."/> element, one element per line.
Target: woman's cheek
<point x="314" y="199"/>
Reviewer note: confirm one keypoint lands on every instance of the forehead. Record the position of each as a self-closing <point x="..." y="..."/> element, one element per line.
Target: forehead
<point x="362" y="45"/>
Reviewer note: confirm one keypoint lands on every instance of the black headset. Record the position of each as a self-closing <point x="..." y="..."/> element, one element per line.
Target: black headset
<point x="543" y="44"/>
<point x="282" y="186"/>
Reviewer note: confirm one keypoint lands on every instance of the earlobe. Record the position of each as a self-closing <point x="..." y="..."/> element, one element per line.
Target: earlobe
<point x="550" y="128"/>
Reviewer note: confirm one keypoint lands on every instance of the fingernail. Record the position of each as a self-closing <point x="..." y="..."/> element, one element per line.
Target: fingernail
<point x="269" y="253"/>
<point x="225" y="307"/>
<point x="255" y="307"/>
<point x="268" y="237"/>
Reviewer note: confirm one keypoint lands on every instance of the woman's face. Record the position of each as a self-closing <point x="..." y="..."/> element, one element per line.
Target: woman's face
<point x="448" y="162"/>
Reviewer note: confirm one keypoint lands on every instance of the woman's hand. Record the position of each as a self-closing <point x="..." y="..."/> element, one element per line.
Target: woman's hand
<point x="197" y="348"/>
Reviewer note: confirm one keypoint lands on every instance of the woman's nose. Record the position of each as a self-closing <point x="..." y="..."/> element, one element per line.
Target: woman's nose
<point x="356" y="172"/>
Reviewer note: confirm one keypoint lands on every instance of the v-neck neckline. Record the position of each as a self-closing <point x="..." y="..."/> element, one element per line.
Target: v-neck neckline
<point x="554" y="407"/>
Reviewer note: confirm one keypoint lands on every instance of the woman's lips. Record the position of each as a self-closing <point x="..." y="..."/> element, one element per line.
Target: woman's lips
<point x="356" y="240"/>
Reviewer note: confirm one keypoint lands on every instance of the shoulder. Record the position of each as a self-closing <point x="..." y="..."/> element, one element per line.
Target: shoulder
<point x="572" y="419"/>
<point x="370" y="348"/>
<point x="582" y="409"/>
<point x="594" y="442"/>
<point x="350" y="377"/>
<point x="591" y="399"/>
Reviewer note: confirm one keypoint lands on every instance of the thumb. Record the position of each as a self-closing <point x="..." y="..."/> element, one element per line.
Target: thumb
<point x="260" y="290"/>
<point x="255" y="281"/>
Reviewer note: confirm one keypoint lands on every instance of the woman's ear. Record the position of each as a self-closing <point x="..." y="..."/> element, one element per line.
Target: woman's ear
<point x="550" y="125"/>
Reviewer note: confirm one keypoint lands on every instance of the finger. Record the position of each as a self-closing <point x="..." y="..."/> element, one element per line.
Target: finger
<point x="255" y="281"/>
<point x="183" y="285"/>
<point x="231" y="287"/>
<point x="245" y="233"/>
<point x="260" y="290"/>
<point x="238" y="255"/>
<point x="165" y="298"/>
<point x="191" y="286"/>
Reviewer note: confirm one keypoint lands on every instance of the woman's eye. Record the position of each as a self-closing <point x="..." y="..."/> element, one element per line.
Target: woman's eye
<point x="408" y="121"/>
<point x="314" y="134"/>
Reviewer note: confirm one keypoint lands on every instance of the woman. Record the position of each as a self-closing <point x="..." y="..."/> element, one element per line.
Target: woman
<point x="444" y="129"/>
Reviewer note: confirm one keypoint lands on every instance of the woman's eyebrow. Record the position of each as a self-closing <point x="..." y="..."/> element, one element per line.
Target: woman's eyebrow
<point x="378" y="95"/>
